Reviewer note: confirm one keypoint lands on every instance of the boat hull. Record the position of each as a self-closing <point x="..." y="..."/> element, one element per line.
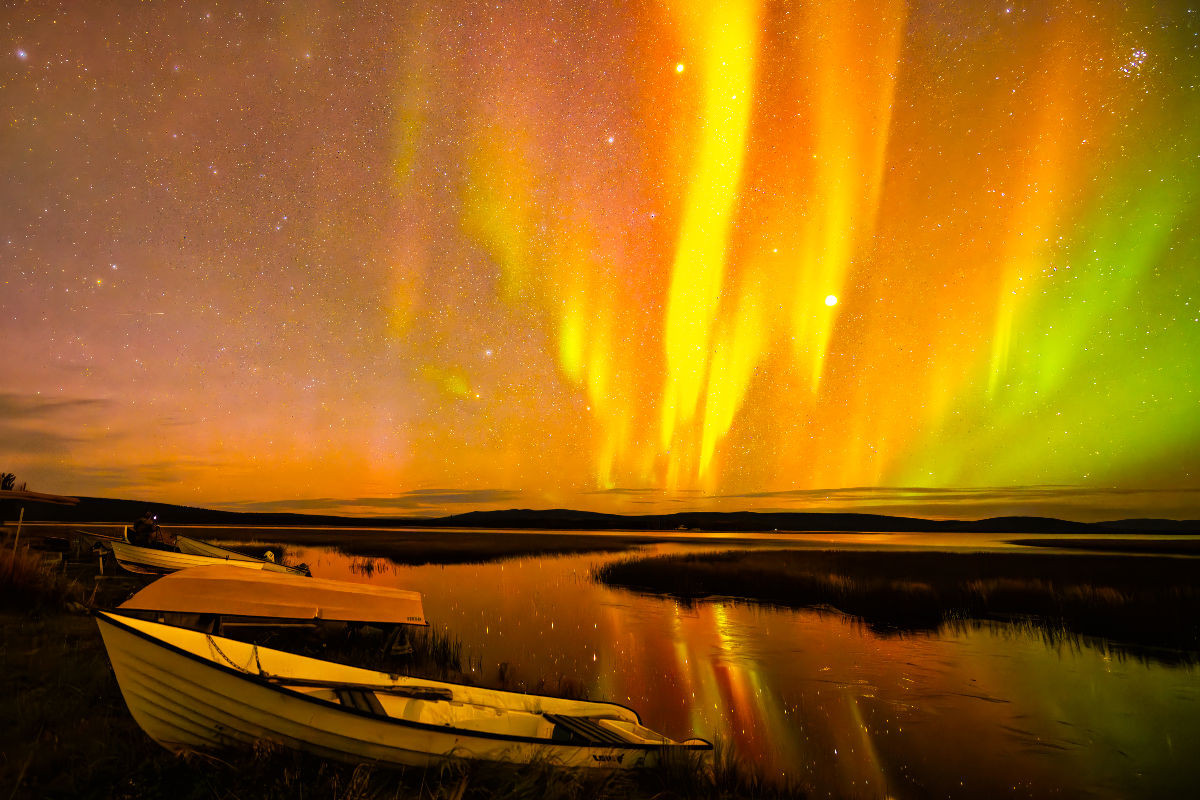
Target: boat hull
<point x="198" y="547"/>
<point x="149" y="559"/>
<point x="226" y="590"/>
<point x="185" y="699"/>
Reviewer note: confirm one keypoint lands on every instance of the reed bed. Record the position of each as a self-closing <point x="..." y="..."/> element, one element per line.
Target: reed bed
<point x="277" y="773"/>
<point x="1143" y="602"/>
<point x="414" y="548"/>
<point x="29" y="581"/>
<point x="1178" y="547"/>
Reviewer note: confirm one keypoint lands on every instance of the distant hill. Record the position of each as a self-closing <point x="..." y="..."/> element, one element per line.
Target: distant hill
<point x="746" y="521"/>
<point x="103" y="509"/>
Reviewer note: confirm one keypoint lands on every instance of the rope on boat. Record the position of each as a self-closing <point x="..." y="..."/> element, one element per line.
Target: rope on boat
<point x="261" y="672"/>
<point x="415" y="692"/>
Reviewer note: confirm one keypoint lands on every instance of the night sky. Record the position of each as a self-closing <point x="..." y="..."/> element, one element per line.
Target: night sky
<point x="426" y="257"/>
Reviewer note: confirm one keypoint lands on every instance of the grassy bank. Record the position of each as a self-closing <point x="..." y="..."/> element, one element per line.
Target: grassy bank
<point x="1143" y="603"/>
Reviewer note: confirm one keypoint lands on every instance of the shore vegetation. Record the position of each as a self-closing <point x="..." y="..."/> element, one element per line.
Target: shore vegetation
<point x="33" y="579"/>
<point x="1148" y="605"/>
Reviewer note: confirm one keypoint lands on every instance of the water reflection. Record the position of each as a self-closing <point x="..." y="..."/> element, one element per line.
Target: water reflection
<point x="971" y="710"/>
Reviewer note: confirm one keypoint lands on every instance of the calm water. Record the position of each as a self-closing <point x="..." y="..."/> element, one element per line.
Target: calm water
<point x="984" y="710"/>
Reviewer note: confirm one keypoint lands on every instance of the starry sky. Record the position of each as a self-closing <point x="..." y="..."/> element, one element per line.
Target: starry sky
<point x="417" y="258"/>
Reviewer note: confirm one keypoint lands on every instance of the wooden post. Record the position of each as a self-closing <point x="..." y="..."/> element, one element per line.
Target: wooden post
<point x="20" y="519"/>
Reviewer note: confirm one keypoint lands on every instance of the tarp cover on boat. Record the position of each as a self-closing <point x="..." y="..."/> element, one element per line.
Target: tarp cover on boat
<point x="233" y="591"/>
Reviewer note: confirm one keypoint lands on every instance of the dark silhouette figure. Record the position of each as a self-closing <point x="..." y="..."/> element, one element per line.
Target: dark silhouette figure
<point x="145" y="531"/>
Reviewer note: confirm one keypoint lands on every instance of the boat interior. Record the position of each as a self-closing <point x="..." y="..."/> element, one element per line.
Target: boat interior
<point x="429" y="706"/>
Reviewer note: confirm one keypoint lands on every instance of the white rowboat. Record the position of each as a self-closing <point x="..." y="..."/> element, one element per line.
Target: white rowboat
<point x="198" y="547"/>
<point x="152" y="560"/>
<point x="190" y="690"/>
<point x="226" y="590"/>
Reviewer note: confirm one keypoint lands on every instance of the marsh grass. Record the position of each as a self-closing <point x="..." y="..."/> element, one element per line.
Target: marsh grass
<point x="436" y="653"/>
<point x="1148" y="605"/>
<point x="276" y="772"/>
<point x="721" y="774"/>
<point x="28" y="581"/>
<point x="509" y="678"/>
<point x="414" y="548"/>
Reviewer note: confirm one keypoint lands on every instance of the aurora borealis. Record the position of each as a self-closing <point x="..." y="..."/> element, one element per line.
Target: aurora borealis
<point x="627" y="257"/>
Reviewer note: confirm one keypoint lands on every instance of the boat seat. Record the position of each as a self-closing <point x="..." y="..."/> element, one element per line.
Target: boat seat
<point x="361" y="700"/>
<point x="581" y="730"/>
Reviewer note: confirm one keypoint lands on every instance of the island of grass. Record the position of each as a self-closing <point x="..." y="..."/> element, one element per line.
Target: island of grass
<point x="1177" y="547"/>
<point x="1149" y="605"/>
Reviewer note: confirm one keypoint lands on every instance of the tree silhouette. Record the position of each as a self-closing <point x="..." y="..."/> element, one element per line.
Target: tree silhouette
<point x="7" y="481"/>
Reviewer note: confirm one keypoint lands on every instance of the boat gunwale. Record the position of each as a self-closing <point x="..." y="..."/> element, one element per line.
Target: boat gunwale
<point x="115" y="620"/>
<point x="275" y="596"/>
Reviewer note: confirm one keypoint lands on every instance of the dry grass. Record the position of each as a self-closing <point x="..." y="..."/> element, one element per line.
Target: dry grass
<point x="29" y="581"/>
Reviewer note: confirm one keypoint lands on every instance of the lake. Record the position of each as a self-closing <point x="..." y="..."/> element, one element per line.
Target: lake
<point x="973" y="710"/>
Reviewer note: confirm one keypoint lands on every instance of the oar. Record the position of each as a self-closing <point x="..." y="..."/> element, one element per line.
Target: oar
<point x="100" y="536"/>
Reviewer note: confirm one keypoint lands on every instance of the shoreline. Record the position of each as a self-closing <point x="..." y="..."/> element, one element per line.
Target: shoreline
<point x="70" y="733"/>
<point x="1148" y="545"/>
